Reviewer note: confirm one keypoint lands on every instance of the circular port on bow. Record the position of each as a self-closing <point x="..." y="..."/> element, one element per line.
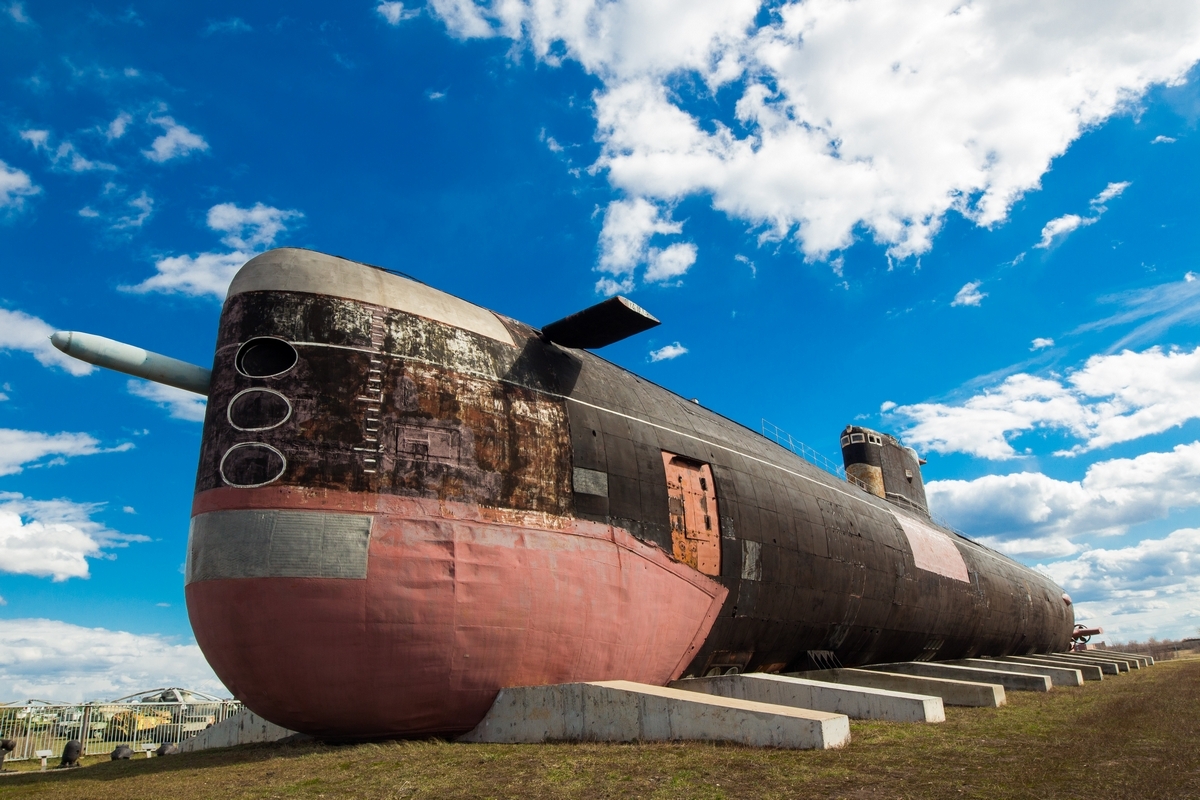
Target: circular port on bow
<point x="265" y="357"/>
<point x="251" y="464"/>
<point x="258" y="410"/>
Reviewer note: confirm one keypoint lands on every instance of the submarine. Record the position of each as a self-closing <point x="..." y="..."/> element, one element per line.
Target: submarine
<point x="406" y="502"/>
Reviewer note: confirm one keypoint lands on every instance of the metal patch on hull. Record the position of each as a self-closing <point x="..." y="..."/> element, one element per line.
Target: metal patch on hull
<point x="277" y="544"/>
<point x="933" y="550"/>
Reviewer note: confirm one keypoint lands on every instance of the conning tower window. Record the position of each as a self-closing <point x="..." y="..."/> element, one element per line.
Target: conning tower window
<point x="857" y="438"/>
<point x="845" y="441"/>
<point x="873" y="439"/>
<point x="265" y="357"/>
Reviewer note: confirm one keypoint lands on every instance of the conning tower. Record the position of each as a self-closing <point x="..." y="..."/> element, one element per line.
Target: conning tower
<point x="884" y="467"/>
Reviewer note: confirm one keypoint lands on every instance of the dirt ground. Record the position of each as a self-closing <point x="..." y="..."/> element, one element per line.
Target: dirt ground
<point x="1132" y="735"/>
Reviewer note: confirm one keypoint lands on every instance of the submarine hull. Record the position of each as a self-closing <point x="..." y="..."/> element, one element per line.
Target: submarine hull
<point x="405" y="503"/>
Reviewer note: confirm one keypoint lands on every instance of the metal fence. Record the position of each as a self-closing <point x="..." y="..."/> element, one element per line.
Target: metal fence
<point x="37" y="725"/>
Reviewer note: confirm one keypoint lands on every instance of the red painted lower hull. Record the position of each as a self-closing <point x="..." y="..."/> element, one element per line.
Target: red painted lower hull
<point x="458" y="603"/>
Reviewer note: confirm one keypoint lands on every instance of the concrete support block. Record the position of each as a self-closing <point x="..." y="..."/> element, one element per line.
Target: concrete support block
<point x="1059" y="676"/>
<point x="1121" y="664"/>
<point x="856" y="702"/>
<point x="952" y="692"/>
<point x="1130" y="662"/>
<point x="1011" y="681"/>
<point x="623" y="711"/>
<point x="1090" y="672"/>
<point x="245" y="727"/>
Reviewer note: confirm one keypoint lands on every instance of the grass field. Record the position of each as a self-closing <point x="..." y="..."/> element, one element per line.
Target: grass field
<point x="1133" y="735"/>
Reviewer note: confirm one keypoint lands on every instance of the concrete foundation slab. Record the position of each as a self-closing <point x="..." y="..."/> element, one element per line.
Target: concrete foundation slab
<point x="245" y="727"/>
<point x="1059" y="676"/>
<point x="952" y="692"/>
<point x="1090" y="672"/>
<point x="1011" y="681"/>
<point x="856" y="702"/>
<point x="623" y="711"/>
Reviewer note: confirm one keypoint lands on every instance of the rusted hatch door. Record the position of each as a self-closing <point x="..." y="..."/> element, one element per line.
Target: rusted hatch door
<point x="692" y="500"/>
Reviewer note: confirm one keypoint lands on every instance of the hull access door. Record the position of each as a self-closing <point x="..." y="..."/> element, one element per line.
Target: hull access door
<point x="695" y="526"/>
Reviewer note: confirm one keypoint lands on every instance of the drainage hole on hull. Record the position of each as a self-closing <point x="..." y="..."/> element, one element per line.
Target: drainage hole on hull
<point x="265" y="357"/>
<point x="258" y="410"/>
<point x="250" y="464"/>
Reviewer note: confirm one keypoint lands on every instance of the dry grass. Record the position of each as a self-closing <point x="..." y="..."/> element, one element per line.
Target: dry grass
<point x="1134" y="735"/>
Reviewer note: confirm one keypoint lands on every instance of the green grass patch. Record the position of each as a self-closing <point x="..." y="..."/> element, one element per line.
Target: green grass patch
<point x="1132" y="735"/>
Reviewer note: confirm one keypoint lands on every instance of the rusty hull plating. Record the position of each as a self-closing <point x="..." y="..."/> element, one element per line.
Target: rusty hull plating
<point x="406" y="502"/>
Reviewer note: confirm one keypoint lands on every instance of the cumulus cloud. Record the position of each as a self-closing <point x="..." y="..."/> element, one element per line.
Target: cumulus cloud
<point x="249" y="228"/>
<point x="15" y="186"/>
<point x="247" y="231"/>
<point x="1033" y="514"/>
<point x="625" y="238"/>
<point x="53" y="538"/>
<point x="20" y="449"/>
<point x="670" y="263"/>
<point x="673" y="350"/>
<point x="849" y="116"/>
<point x="1041" y="343"/>
<point x="25" y="333"/>
<point x="71" y="663"/>
<point x="394" y="13"/>
<point x="1111" y="399"/>
<point x="176" y="141"/>
<point x="181" y="404"/>
<point x="969" y="295"/>
<point x="1162" y="140"/>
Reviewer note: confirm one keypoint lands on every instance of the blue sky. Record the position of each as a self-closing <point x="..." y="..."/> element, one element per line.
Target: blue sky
<point x="971" y="226"/>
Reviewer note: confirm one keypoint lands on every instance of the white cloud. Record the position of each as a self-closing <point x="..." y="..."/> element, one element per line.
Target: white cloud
<point x="1162" y="140"/>
<point x="66" y="155"/>
<point x="143" y="207"/>
<point x="249" y="228"/>
<point x="231" y="25"/>
<point x="15" y="186"/>
<point x="1110" y="192"/>
<point x="246" y="230"/>
<point x="969" y="295"/>
<point x="18" y="14"/>
<point x="674" y="350"/>
<point x="71" y="663"/>
<point x="1033" y="514"/>
<point x="1111" y="399"/>
<point x="624" y="245"/>
<point x="116" y="128"/>
<point x="29" y="334"/>
<point x="1156" y="308"/>
<point x="1041" y="343"/>
<point x="19" y="449"/>
<point x="394" y="12"/>
<point x="181" y="404"/>
<point x="873" y="114"/>
<point x="1059" y="228"/>
<point x="202" y="274"/>
<point x="53" y="538"/>
<point x="670" y="263"/>
<point x="1054" y="231"/>
<point x="176" y="141"/>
